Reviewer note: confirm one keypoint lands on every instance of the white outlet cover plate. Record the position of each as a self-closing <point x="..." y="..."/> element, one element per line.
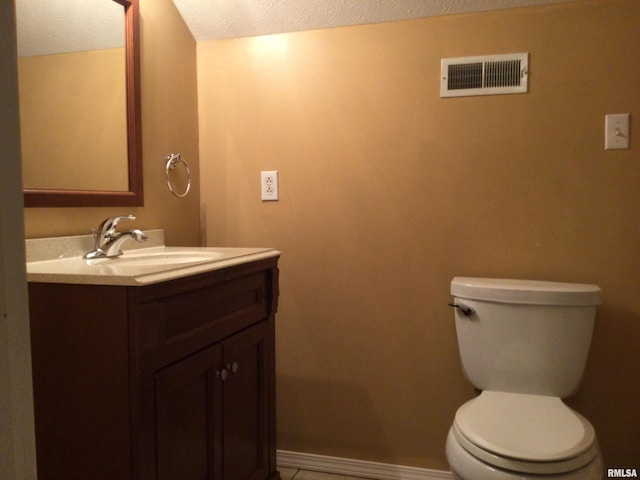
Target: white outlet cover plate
<point x="269" y="185"/>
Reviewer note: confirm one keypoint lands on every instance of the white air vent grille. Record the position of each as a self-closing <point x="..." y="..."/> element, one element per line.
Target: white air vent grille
<point x="488" y="75"/>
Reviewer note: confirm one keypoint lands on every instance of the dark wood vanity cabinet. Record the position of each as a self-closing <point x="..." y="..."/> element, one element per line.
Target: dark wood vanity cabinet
<point x="211" y="411"/>
<point x="174" y="380"/>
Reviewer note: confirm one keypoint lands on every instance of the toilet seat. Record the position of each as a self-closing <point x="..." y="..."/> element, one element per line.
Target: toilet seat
<point x="525" y="433"/>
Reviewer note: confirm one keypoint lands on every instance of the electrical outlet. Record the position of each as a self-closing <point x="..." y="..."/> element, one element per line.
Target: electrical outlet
<point x="269" y="185"/>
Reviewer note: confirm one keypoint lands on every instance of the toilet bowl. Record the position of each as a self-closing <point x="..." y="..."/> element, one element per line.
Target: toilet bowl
<point x="506" y="436"/>
<point x="513" y="337"/>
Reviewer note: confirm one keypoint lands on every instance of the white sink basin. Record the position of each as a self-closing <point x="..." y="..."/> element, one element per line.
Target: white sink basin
<point x="134" y="260"/>
<point x="142" y="266"/>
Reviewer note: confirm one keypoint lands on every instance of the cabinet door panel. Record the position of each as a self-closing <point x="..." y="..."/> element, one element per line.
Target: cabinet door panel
<point x="188" y="406"/>
<point x="245" y="418"/>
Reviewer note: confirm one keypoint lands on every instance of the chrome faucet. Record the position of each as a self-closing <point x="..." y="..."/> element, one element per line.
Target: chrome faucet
<point x="107" y="241"/>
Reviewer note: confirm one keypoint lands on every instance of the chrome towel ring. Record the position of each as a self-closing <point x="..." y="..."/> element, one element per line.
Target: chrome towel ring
<point x="172" y="160"/>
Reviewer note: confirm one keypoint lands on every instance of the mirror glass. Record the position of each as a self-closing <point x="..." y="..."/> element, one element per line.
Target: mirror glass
<point x="79" y="120"/>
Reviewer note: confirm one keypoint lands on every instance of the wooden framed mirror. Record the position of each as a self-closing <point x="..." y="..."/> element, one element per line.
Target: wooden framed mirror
<point x="129" y="192"/>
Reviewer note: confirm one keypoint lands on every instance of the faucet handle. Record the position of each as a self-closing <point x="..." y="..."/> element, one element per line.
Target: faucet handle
<point x="108" y="227"/>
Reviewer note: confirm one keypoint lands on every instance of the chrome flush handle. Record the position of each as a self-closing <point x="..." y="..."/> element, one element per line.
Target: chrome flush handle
<point x="466" y="311"/>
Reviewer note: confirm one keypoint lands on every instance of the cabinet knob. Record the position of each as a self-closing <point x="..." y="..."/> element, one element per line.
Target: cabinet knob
<point x="234" y="367"/>
<point x="222" y="374"/>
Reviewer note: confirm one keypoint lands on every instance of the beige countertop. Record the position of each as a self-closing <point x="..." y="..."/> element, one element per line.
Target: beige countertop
<point x="60" y="260"/>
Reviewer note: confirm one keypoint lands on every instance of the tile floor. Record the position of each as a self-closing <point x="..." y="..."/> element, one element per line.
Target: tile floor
<point x="293" y="474"/>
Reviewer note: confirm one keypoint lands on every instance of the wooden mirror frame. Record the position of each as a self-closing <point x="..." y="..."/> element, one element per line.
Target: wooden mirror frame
<point x="98" y="198"/>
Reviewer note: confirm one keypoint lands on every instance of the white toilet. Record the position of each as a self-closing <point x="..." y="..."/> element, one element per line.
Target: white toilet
<point x="525" y="345"/>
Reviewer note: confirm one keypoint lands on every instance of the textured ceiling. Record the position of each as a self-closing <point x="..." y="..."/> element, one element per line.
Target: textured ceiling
<point x="219" y="19"/>
<point x="57" y="26"/>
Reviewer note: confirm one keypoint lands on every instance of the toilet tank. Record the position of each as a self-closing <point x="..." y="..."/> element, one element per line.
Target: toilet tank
<point x="524" y="336"/>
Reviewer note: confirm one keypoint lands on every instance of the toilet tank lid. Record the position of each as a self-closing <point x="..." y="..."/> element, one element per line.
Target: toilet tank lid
<point x="534" y="292"/>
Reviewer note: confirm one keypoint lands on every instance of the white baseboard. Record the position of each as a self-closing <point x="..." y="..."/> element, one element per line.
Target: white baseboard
<point x="357" y="468"/>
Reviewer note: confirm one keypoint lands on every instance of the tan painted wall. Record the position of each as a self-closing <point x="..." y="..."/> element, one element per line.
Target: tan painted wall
<point x="388" y="191"/>
<point x="169" y="125"/>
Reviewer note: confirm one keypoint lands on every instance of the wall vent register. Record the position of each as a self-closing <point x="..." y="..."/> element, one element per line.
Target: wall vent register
<point x="484" y="75"/>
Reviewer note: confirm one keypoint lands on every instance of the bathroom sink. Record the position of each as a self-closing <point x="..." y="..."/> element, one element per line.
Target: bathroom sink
<point x="140" y="266"/>
<point x="169" y="259"/>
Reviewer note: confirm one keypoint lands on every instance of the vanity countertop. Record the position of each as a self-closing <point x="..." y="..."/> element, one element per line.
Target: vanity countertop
<point x="60" y="260"/>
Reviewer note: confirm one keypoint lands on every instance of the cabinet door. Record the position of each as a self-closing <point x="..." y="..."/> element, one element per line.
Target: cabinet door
<point x="245" y="403"/>
<point x="188" y="412"/>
